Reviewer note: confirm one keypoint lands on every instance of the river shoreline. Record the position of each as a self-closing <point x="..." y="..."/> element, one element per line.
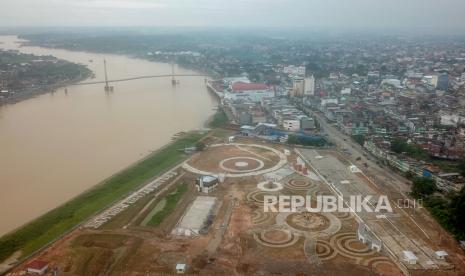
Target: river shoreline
<point x="68" y="115"/>
<point x="32" y="93"/>
<point x="162" y="160"/>
<point x="28" y="94"/>
<point x="36" y="234"/>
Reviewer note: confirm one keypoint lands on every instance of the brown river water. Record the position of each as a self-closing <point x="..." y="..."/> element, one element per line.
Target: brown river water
<point x="55" y="146"/>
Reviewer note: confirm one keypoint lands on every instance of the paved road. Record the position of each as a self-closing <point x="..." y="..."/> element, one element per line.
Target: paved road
<point x="374" y="171"/>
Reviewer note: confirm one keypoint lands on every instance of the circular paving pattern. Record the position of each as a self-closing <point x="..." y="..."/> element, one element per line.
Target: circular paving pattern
<point x="310" y="225"/>
<point x="349" y="246"/>
<point x="269" y="186"/>
<point x="257" y="197"/>
<point x="260" y="217"/>
<point x="343" y="215"/>
<point x="379" y="262"/>
<point x="241" y="164"/>
<point x="324" y="250"/>
<point x="300" y="184"/>
<point x="319" y="192"/>
<point x="276" y="237"/>
<point x="307" y="221"/>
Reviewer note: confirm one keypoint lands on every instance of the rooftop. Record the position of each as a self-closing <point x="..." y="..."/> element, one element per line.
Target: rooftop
<point x="242" y="86"/>
<point x="409" y="255"/>
<point x="208" y="178"/>
<point x="180" y="266"/>
<point x="37" y="264"/>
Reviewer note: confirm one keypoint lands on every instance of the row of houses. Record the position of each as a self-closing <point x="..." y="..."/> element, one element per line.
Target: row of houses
<point x="405" y="165"/>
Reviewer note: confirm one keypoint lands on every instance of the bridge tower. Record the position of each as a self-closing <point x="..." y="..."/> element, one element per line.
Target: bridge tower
<point x="108" y="88"/>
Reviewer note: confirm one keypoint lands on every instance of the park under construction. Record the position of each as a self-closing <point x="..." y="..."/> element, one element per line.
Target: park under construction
<point x="170" y="226"/>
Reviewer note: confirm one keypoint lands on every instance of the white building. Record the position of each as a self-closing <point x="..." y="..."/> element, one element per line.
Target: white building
<point x="328" y="101"/>
<point x="180" y="268"/>
<point x="451" y="120"/>
<point x="298" y="87"/>
<point x="392" y="82"/>
<point x="294" y="70"/>
<point x="430" y="80"/>
<point x="409" y="257"/>
<point x="291" y="124"/>
<point x="252" y="92"/>
<point x="309" y="85"/>
<point x="441" y="254"/>
<point x="206" y="184"/>
<point x="346" y="91"/>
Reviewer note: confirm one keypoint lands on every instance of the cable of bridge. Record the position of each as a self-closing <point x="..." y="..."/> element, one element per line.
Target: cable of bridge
<point x="141" y="77"/>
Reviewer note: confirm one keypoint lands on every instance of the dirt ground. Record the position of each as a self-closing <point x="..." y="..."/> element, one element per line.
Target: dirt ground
<point x="250" y="242"/>
<point x="210" y="159"/>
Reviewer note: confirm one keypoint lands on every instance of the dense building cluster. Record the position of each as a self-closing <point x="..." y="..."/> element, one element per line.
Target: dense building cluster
<point x="22" y="75"/>
<point x="383" y="90"/>
<point x="409" y="93"/>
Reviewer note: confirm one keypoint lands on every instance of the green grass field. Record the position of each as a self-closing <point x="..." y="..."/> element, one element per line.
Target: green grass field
<point x="171" y="202"/>
<point x="158" y="208"/>
<point x="48" y="227"/>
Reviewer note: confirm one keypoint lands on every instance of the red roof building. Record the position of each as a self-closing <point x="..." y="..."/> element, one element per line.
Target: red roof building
<point x="37" y="266"/>
<point x="243" y="86"/>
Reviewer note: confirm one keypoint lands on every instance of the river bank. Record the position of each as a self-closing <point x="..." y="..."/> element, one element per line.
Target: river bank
<point x="57" y="145"/>
<point x="28" y="75"/>
<point x="112" y="47"/>
<point x="31" y="93"/>
<point x="42" y="231"/>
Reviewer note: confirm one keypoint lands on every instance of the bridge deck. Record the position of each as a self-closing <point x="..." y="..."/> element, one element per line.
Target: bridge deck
<point x="141" y="77"/>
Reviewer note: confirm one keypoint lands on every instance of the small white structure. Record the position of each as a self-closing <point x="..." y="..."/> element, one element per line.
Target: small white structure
<point x="190" y="150"/>
<point x="37" y="267"/>
<point x="354" y="169"/>
<point x="206" y="183"/>
<point x="346" y="91"/>
<point x="367" y="237"/>
<point x="231" y="139"/>
<point x="409" y="257"/>
<point x="180" y="268"/>
<point x="441" y="254"/>
<point x="287" y="152"/>
<point x="221" y="177"/>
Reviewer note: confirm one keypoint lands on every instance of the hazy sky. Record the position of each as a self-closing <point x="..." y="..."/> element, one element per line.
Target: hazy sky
<point x="425" y="14"/>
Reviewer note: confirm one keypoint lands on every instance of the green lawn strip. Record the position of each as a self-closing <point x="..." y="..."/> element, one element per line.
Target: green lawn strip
<point x="160" y="205"/>
<point x="46" y="228"/>
<point x="171" y="202"/>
